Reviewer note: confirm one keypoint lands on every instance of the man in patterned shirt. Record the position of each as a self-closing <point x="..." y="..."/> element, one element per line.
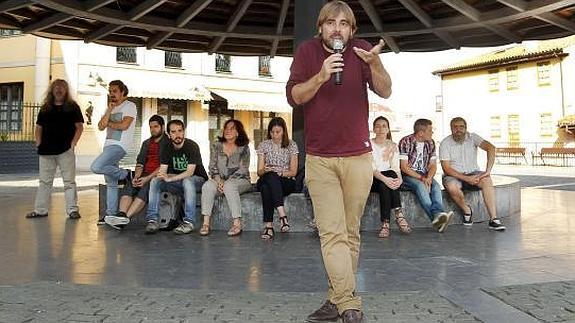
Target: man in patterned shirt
<point x="418" y="164"/>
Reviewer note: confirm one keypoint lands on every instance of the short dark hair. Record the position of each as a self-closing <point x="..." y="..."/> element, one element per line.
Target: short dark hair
<point x="457" y="119"/>
<point x="242" y="138"/>
<point x="279" y="122"/>
<point x="382" y="118"/>
<point x="121" y="85"/>
<point x="421" y="124"/>
<point x="157" y="118"/>
<point x="176" y="122"/>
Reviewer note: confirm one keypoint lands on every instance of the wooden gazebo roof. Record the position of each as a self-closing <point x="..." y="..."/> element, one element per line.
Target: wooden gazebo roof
<point x="265" y="27"/>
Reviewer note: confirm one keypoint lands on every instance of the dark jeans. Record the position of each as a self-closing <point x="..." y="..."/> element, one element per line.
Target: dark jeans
<point x="273" y="189"/>
<point x="388" y="199"/>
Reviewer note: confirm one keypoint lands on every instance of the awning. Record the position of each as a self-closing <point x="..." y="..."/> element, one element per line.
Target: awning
<point x="154" y="84"/>
<point x="170" y="90"/>
<point x="254" y="100"/>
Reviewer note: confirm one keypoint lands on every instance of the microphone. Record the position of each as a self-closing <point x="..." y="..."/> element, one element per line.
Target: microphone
<point x="337" y="48"/>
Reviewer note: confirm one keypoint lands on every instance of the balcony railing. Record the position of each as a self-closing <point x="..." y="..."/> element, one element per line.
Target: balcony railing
<point x="173" y="59"/>
<point x="126" y="55"/>
<point x="223" y="63"/>
<point x="264" y="66"/>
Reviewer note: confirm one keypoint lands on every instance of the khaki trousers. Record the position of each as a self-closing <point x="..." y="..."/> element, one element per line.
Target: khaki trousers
<point x="339" y="187"/>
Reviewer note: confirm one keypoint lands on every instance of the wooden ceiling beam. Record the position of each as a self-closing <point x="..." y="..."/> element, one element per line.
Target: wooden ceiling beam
<point x="193" y="10"/>
<point x="475" y="15"/>
<point x="280" y="26"/>
<point x="10" y="5"/>
<point x="373" y="15"/>
<point x="427" y="21"/>
<point x="549" y="17"/>
<point x="61" y="17"/>
<point x="134" y="14"/>
<point x="232" y="23"/>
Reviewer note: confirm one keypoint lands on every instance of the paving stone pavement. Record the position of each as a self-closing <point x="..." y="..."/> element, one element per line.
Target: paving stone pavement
<point x="64" y="302"/>
<point x="548" y="302"/>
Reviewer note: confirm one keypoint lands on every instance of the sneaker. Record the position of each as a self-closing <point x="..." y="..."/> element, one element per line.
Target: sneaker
<point x="101" y="221"/>
<point x="184" y="228"/>
<point x="496" y="225"/>
<point x="439" y="221"/>
<point x="327" y="312"/>
<point x="152" y="227"/>
<point x="443" y="227"/>
<point x="467" y="218"/>
<point x="33" y="214"/>
<point x="117" y="221"/>
<point x="74" y="215"/>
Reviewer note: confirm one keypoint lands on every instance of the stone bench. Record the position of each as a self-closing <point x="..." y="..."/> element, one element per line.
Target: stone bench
<point x="300" y="212"/>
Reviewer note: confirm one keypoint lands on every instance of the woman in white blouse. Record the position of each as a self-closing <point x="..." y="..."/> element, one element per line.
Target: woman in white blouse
<point x="277" y="167"/>
<point x="387" y="177"/>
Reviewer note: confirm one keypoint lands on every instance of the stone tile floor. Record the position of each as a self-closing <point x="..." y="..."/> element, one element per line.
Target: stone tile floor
<point x="53" y="258"/>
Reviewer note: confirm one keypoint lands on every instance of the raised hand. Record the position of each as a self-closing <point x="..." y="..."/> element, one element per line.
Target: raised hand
<point x="372" y="56"/>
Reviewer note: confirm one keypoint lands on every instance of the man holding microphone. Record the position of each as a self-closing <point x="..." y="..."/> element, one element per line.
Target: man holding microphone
<point x="338" y="162"/>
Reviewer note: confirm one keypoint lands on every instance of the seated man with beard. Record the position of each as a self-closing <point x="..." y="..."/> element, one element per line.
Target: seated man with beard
<point x="458" y="155"/>
<point x="135" y="192"/>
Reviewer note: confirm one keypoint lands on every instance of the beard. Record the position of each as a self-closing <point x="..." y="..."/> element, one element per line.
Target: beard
<point x="459" y="138"/>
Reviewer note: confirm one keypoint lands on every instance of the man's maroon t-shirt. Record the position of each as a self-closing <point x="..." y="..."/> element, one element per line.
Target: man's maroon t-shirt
<point x="336" y="118"/>
<point x="152" y="157"/>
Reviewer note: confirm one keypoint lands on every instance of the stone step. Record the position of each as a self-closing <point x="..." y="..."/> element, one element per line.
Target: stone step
<point x="300" y="211"/>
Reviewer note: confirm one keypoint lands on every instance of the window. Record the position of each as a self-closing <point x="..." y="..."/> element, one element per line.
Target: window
<point x="264" y="68"/>
<point x="223" y="63"/>
<point x="260" y="125"/>
<point x="512" y="78"/>
<point x="126" y="55"/>
<point x="173" y="109"/>
<point x="218" y="115"/>
<point x="438" y="103"/>
<point x="493" y="80"/>
<point x="547" y="129"/>
<point x="9" y="32"/>
<point x="495" y="129"/>
<point x="513" y="129"/>
<point x="543" y="73"/>
<point x="173" y="59"/>
<point x="11" y="97"/>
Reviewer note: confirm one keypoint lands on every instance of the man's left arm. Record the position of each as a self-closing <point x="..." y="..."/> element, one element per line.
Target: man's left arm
<point x="189" y="172"/>
<point x="121" y="125"/>
<point x="490" y="150"/>
<point x="77" y="133"/>
<point x="381" y="81"/>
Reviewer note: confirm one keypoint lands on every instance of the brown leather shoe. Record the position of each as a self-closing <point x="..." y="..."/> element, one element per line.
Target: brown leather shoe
<point x="327" y="312"/>
<point x="352" y="316"/>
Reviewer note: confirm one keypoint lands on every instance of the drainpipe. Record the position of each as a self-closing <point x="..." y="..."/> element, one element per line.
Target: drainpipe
<point x="42" y="68"/>
<point x="562" y="89"/>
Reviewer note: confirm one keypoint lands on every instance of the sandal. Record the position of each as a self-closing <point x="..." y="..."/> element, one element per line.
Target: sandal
<point x="384" y="231"/>
<point x="205" y="230"/>
<point x="235" y="230"/>
<point x="402" y="223"/>
<point x="33" y="214"/>
<point x="268" y="233"/>
<point x="285" y="225"/>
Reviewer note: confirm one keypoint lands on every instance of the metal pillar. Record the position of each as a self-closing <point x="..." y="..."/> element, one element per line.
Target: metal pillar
<point x="306" y="12"/>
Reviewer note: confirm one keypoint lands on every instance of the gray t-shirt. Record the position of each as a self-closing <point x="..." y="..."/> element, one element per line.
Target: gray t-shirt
<point x="462" y="156"/>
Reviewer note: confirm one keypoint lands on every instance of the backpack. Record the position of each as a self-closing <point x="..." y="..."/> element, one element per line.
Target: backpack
<point x="171" y="210"/>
